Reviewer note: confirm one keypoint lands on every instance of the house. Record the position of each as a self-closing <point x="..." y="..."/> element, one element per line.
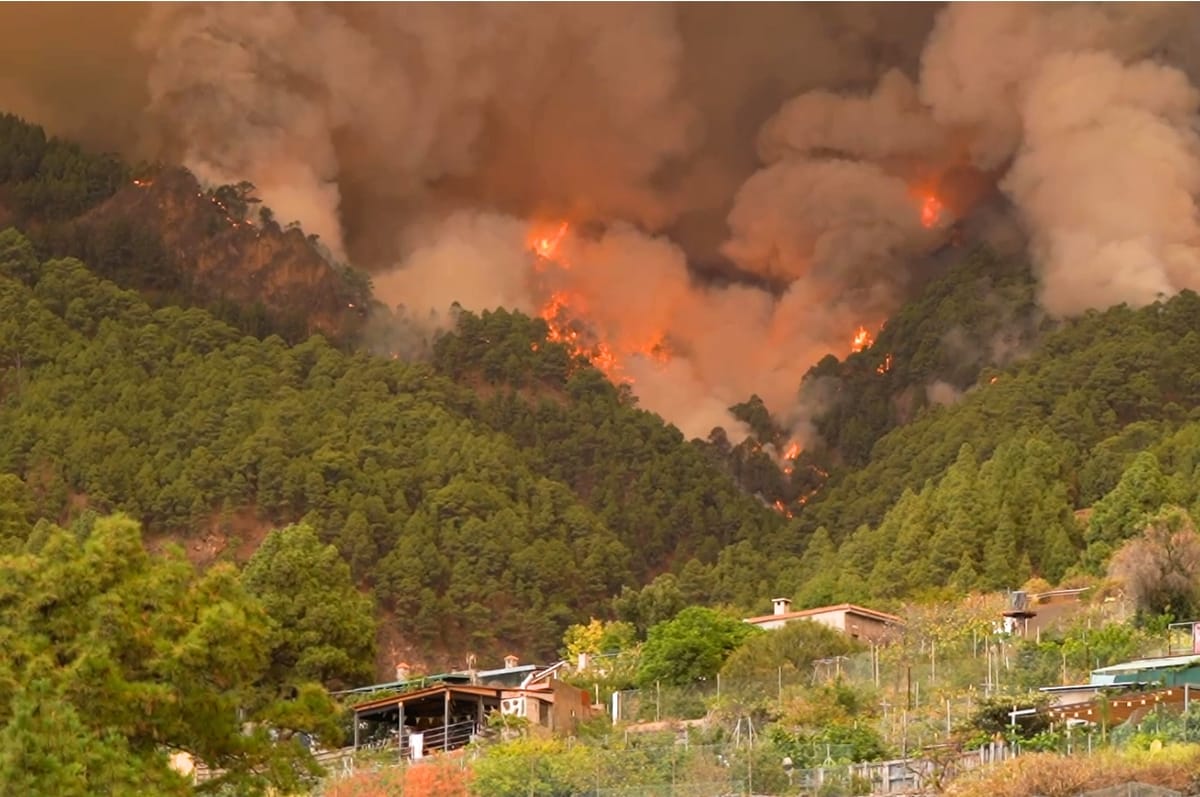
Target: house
<point x="858" y="622"/>
<point x="449" y="714"/>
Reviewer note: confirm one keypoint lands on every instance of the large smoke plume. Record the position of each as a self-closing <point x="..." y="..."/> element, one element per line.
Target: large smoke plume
<point x="746" y="184"/>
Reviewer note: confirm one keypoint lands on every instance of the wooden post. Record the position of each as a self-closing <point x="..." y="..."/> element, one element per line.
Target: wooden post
<point x="356" y="730"/>
<point x="446" y="722"/>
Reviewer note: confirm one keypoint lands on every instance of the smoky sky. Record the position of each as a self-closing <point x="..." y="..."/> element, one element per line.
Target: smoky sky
<point x="796" y="146"/>
<point x="640" y="111"/>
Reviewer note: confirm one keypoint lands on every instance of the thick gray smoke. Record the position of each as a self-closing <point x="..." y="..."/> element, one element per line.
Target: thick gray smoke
<point x="810" y="151"/>
<point x="1105" y="162"/>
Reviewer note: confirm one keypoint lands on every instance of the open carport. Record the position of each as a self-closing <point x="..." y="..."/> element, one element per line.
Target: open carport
<point x="439" y="717"/>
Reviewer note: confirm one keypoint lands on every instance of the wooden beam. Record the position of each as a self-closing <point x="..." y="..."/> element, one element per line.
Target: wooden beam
<point x="446" y="722"/>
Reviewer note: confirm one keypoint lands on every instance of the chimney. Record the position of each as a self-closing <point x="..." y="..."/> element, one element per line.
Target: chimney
<point x="782" y="605"/>
<point x="402" y="671"/>
<point x="471" y="668"/>
<point x="583" y="662"/>
<point x="510" y="661"/>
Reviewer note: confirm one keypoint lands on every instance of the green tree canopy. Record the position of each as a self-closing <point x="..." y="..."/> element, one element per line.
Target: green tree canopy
<point x="692" y="645"/>
<point x="794" y="647"/>
<point x="114" y="659"/>
<point x="324" y="628"/>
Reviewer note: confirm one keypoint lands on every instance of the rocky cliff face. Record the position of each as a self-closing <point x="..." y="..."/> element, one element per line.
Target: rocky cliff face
<point x="227" y="252"/>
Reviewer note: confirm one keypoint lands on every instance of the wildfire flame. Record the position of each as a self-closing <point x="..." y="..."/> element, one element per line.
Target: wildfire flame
<point x="931" y="210"/>
<point x="862" y="339"/>
<point x="884" y="366"/>
<point x="789" y="455"/>
<point x="565" y="314"/>
<point x="546" y="246"/>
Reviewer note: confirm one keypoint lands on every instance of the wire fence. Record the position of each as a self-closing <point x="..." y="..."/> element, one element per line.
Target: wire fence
<point x="744" y="762"/>
<point x="912" y="704"/>
<point x="722" y="770"/>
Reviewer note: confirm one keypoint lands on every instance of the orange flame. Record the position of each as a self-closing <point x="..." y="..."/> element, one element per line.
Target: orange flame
<point x="789" y="456"/>
<point x="884" y="366"/>
<point x="862" y="339"/>
<point x="546" y="246"/>
<point x="565" y="314"/>
<point x="931" y="210"/>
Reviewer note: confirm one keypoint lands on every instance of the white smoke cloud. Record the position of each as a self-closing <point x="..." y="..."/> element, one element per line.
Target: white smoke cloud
<point x="633" y="291"/>
<point x="480" y="260"/>
<point x="1105" y="160"/>
<point x="1107" y="178"/>
<point x="943" y="393"/>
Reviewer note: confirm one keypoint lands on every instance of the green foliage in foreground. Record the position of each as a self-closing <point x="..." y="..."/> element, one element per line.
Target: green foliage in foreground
<point x="115" y="659"/>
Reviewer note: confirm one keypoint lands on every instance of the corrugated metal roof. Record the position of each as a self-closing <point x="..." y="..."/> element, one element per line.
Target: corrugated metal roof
<point x="407" y="697"/>
<point x="1166" y="662"/>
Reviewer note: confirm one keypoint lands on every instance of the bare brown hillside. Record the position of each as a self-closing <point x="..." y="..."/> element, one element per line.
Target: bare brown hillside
<point x="239" y="260"/>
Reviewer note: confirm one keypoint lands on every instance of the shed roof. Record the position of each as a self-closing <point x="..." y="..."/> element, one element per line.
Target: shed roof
<point x="494" y="692"/>
<point x="851" y="608"/>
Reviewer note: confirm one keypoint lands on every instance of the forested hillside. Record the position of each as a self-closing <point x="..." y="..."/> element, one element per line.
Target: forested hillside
<point x="984" y="493"/>
<point x="504" y="489"/>
<point x="155" y="229"/>
<point x="978" y="311"/>
<point x="480" y="518"/>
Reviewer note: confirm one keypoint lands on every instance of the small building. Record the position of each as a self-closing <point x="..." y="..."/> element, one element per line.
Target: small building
<point x="1069" y="695"/>
<point x="1028" y="615"/>
<point x="1127" y="691"/>
<point x="1111" y="708"/>
<point x="447" y="715"/>
<point x="857" y="622"/>
<point x="438" y="717"/>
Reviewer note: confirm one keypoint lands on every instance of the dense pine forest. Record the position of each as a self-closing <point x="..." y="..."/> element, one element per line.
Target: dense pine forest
<point x="175" y="450"/>
<point x="502" y="489"/>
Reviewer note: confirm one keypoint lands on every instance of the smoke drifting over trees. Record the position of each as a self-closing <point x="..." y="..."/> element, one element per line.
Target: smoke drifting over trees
<point x="810" y="153"/>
